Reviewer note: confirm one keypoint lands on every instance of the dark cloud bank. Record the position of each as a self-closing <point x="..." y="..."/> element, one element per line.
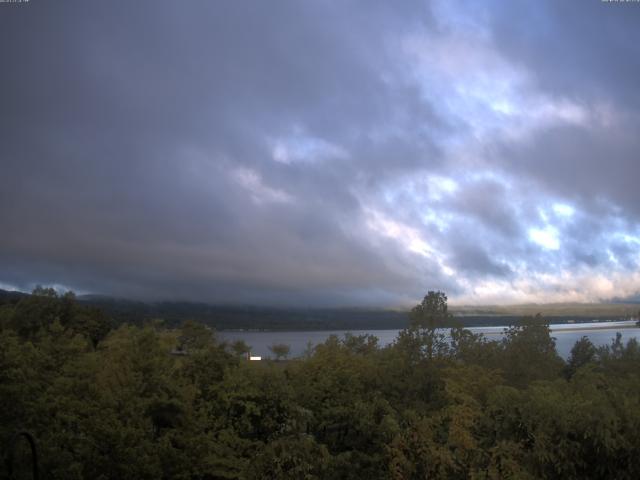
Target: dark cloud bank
<point x="321" y="153"/>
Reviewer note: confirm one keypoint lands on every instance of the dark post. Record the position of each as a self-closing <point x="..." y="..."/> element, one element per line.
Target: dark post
<point x="12" y="451"/>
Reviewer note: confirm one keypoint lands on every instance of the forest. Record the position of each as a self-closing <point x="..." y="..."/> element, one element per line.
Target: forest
<point x="117" y="401"/>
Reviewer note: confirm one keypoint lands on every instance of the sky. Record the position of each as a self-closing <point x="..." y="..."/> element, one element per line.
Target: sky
<point x="321" y="153"/>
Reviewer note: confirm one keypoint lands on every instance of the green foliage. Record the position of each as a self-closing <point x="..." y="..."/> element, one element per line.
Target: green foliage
<point x="194" y="336"/>
<point x="240" y="348"/>
<point x="34" y="313"/>
<point x="582" y="353"/>
<point x="280" y="350"/>
<point x="432" y="312"/>
<point x="290" y="458"/>
<point x="155" y="403"/>
<point x="529" y="353"/>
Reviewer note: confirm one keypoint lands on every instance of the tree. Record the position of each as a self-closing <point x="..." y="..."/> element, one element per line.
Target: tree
<point x="529" y="352"/>
<point x="309" y="349"/>
<point x="195" y="336"/>
<point x="360" y="344"/>
<point x="91" y="322"/>
<point x="422" y="339"/>
<point x="582" y="353"/>
<point x="295" y="458"/>
<point x="431" y="313"/>
<point x="41" y="291"/>
<point x="280" y="350"/>
<point x="240" y="348"/>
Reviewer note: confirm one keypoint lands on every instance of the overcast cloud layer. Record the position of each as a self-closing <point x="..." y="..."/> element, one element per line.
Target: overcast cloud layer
<point x="321" y="153"/>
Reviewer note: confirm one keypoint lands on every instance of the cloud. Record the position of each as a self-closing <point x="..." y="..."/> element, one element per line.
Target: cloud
<point x="320" y="153"/>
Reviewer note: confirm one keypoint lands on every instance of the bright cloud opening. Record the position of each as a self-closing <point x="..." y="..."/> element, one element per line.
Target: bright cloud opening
<point x="545" y="237"/>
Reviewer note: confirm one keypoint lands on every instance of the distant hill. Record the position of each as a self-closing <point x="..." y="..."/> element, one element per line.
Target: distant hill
<point x="274" y="318"/>
<point x="252" y="317"/>
<point x="550" y="310"/>
<point x="238" y="317"/>
<point x="7" y="296"/>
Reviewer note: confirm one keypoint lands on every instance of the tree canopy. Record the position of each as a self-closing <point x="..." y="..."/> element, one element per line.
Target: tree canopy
<point x="431" y="312"/>
<point x="113" y="403"/>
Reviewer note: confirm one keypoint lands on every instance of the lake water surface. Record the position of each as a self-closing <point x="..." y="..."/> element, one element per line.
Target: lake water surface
<point x="566" y="335"/>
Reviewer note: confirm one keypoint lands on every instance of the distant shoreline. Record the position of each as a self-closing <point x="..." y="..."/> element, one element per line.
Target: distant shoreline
<point x="577" y="327"/>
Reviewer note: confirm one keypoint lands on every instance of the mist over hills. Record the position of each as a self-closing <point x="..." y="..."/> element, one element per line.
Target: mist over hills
<point x="256" y="317"/>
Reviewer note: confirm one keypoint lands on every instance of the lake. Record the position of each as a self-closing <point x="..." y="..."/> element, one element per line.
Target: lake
<point x="566" y="334"/>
